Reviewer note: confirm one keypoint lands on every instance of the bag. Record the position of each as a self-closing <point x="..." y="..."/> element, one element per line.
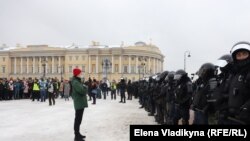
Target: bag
<point x="94" y="91"/>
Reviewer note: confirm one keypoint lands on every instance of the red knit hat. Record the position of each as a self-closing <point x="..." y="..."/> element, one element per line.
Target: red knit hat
<point x="76" y="71"/>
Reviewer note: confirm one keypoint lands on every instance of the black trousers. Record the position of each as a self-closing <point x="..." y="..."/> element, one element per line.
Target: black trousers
<point x="123" y="97"/>
<point x="94" y="98"/>
<point x="78" y="121"/>
<point x="51" y="96"/>
<point x="113" y="94"/>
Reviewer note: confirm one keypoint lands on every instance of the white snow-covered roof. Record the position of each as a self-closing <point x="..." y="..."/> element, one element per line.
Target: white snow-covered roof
<point x="6" y="48"/>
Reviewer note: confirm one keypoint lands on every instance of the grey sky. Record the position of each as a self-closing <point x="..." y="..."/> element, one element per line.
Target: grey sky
<point x="208" y="28"/>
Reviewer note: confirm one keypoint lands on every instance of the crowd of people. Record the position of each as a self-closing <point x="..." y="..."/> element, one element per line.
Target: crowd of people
<point x="52" y="88"/>
<point x="34" y="89"/>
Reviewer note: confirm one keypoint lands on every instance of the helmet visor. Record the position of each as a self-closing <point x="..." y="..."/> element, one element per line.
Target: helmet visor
<point x="221" y="63"/>
<point x="177" y="77"/>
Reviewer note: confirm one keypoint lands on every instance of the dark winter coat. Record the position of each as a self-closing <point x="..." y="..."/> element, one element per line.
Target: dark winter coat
<point x="79" y="94"/>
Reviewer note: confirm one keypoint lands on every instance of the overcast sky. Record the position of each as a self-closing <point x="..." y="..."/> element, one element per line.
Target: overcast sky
<point x="208" y="28"/>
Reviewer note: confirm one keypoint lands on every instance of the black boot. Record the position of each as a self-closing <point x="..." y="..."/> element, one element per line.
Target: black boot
<point x="78" y="138"/>
<point x="82" y="136"/>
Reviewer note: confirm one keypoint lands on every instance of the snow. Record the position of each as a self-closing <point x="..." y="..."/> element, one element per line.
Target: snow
<point x="108" y="120"/>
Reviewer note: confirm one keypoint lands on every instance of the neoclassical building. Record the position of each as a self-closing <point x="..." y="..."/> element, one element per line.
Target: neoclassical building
<point x="98" y="61"/>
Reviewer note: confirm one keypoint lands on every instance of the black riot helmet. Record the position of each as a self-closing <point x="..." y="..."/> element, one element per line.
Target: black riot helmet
<point x="206" y="71"/>
<point x="224" y="63"/>
<point x="180" y="74"/>
<point x="150" y="79"/>
<point x="170" y="76"/>
<point x="224" y="60"/>
<point x="161" y="76"/>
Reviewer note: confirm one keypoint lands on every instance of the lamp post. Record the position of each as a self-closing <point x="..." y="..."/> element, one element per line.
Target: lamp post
<point x="143" y="61"/>
<point x="61" y="71"/>
<point x="185" y="55"/>
<point x="106" y="64"/>
<point x="44" y="61"/>
<point x="143" y="68"/>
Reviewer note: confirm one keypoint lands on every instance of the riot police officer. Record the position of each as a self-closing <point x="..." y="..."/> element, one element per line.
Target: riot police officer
<point x="151" y="92"/>
<point x="220" y="94"/>
<point x="203" y="99"/>
<point x="160" y="97"/>
<point x="169" y="110"/>
<point x="239" y="97"/>
<point x="183" y="94"/>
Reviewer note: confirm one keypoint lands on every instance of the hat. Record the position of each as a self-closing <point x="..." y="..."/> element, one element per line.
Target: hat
<point x="76" y="71"/>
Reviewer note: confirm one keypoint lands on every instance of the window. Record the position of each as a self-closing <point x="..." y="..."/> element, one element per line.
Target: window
<point x="83" y="68"/>
<point x="24" y="69"/>
<point x="70" y="58"/>
<point x="70" y="68"/>
<point x="125" y="69"/>
<point x="132" y="58"/>
<point x="77" y="58"/>
<point x="93" y="57"/>
<point x="132" y="69"/>
<point x="38" y="68"/>
<point x="3" y="69"/>
<point x="48" y="69"/>
<point x="116" y="67"/>
<point x="83" y="57"/>
<point x="93" y="68"/>
<point x="57" y="69"/>
<point x="3" y="59"/>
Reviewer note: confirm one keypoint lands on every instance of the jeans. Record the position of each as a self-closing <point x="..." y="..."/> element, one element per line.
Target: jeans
<point x="43" y="95"/>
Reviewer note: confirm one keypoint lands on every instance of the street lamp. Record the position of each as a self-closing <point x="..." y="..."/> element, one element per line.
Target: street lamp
<point x="185" y="54"/>
<point x="106" y="64"/>
<point x="44" y="61"/>
<point x="143" y="61"/>
<point x="61" y="71"/>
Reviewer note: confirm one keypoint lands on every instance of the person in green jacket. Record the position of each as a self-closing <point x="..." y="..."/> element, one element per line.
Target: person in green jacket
<point x="80" y="102"/>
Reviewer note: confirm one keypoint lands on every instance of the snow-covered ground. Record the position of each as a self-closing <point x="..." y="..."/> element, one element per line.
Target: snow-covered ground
<point x="108" y="120"/>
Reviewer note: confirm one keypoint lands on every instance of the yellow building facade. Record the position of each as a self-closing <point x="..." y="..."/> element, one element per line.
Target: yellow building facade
<point x="95" y="61"/>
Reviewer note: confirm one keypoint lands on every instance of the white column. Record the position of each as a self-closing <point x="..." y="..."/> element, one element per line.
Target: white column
<point x="149" y="65"/>
<point x="112" y="64"/>
<point x="89" y="64"/>
<point x="15" y="66"/>
<point x="33" y="65"/>
<point x="161" y="66"/>
<point x="129" y="64"/>
<point x="157" y="66"/>
<point x="97" y="63"/>
<point x="59" y="63"/>
<point x="27" y="61"/>
<point x="46" y="65"/>
<point x="21" y="64"/>
<point x="53" y="61"/>
<point x="40" y="65"/>
<point x="154" y="66"/>
<point x="136" y="64"/>
<point x="120" y="64"/>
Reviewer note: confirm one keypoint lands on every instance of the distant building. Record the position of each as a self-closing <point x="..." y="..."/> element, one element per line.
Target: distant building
<point x="113" y="62"/>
